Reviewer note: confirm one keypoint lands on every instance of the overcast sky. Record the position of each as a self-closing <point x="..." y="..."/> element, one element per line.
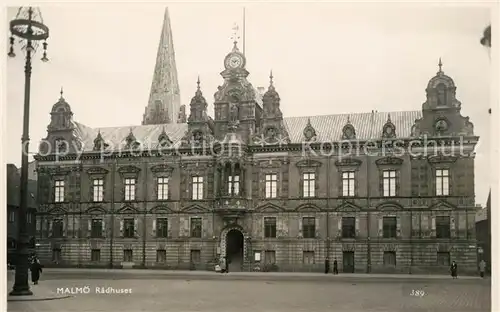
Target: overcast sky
<point x="326" y="58"/>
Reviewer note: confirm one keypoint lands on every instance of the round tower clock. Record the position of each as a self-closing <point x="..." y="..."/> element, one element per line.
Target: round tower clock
<point x="234" y="60"/>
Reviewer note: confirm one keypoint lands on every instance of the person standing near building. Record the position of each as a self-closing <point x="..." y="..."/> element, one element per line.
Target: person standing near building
<point x="482" y="268"/>
<point x="327" y="266"/>
<point x="454" y="270"/>
<point x="335" y="267"/>
<point x="36" y="269"/>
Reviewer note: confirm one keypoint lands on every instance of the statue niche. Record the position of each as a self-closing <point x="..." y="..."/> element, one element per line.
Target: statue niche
<point x="441" y="95"/>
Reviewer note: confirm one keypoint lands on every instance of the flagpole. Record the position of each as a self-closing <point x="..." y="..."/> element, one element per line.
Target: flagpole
<point x="243" y="30"/>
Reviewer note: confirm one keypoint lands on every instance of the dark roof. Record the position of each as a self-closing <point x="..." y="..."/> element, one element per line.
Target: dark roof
<point x="13" y="188"/>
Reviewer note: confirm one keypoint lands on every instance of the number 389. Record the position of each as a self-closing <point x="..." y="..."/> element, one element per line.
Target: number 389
<point x="417" y="293"/>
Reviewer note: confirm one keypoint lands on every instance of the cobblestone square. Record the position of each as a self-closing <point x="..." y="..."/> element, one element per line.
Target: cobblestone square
<point x="237" y="295"/>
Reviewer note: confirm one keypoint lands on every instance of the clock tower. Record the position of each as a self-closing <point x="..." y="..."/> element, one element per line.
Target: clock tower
<point x="238" y="105"/>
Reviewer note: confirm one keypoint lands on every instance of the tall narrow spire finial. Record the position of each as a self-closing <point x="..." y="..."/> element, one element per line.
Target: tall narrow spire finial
<point x="440" y="64"/>
<point x="198" y="83"/>
<point x="165" y="84"/>
<point x="61" y="93"/>
<point x="271" y="78"/>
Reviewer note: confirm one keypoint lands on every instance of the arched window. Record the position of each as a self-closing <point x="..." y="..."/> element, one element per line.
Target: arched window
<point x="441" y="94"/>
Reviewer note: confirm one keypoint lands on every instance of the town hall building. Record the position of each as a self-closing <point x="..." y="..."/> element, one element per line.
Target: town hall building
<point x="268" y="192"/>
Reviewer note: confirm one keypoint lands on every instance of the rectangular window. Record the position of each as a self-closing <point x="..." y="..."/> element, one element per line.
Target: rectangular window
<point x="59" y="191"/>
<point x="348" y="183"/>
<point x="95" y="255"/>
<point x="195" y="256"/>
<point x="196" y="227"/>
<point x="161" y="256"/>
<point x="12" y="216"/>
<point x="309" y="227"/>
<point x="56" y="255"/>
<point x="130" y="189"/>
<point x="309" y="184"/>
<point x="443" y="227"/>
<point x="389" y="180"/>
<point x="128" y="255"/>
<point x="348" y="227"/>
<point x="57" y="228"/>
<point x="129" y="228"/>
<point x="389" y="227"/>
<point x="442" y="182"/>
<point x="162" y="227"/>
<point x="389" y="258"/>
<point x="270" y="257"/>
<point x="308" y="257"/>
<point x="197" y="188"/>
<point x="271" y="185"/>
<point x="29" y="216"/>
<point x="269" y="227"/>
<point x="233" y="185"/>
<point x="443" y="258"/>
<point x="162" y="188"/>
<point x="96" y="228"/>
<point x="98" y="190"/>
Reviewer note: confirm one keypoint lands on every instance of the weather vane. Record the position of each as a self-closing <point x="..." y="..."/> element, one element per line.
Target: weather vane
<point x="235" y="35"/>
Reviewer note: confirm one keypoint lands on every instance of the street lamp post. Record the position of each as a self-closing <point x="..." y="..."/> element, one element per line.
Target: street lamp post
<point x="28" y="27"/>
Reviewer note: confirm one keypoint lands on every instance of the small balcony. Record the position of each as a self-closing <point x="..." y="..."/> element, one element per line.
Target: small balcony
<point x="231" y="206"/>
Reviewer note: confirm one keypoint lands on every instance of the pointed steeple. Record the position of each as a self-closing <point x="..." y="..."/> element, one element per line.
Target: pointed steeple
<point x="164" y="98"/>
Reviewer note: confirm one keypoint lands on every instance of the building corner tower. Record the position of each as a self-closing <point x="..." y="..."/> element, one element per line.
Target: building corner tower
<point x="164" y="98"/>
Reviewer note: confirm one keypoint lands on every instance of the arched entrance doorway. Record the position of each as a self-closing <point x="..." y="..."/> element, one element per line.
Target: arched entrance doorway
<point x="234" y="249"/>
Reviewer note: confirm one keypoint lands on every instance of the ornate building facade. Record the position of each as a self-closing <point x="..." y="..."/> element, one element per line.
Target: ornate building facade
<point x="370" y="190"/>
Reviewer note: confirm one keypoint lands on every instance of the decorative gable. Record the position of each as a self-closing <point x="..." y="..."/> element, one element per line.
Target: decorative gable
<point x="194" y="209"/>
<point x="348" y="162"/>
<point x="348" y="206"/>
<point x="162" y="168"/>
<point x="161" y="210"/>
<point x="163" y="139"/>
<point x="99" y="143"/>
<point x="97" y="170"/>
<point x="440" y="158"/>
<point x="127" y="210"/>
<point x="95" y="210"/>
<point x="442" y="205"/>
<point x="309" y="132"/>
<point x="389" y="129"/>
<point x="130" y="141"/>
<point x="129" y="170"/>
<point x="389" y="206"/>
<point x="389" y="160"/>
<point x="308" y="208"/>
<point x="348" y="132"/>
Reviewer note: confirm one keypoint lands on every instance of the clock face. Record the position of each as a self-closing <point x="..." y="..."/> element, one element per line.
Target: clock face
<point x="235" y="61"/>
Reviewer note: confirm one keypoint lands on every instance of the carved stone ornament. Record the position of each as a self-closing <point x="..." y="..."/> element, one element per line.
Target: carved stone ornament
<point x="271" y="134"/>
<point x="441" y="125"/>
<point x="129" y="169"/>
<point x="55" y="170"/>
<point x="61" y="145"/>
<point x="197" y="137"/>
<point x="97" y="170"/>
<point x="440" y="158"/>
<point x="348" y="162"/>
<point x="162" y="168"/>
<point x="309" y="132"/>
<point x="308" y="163"/>
<point x="389" y="160"/>
<point x="99" y="143"/>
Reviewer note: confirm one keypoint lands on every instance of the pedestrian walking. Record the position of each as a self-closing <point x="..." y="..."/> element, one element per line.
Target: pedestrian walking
<point x="482" y="268"/>
<point x="454" y="270"/>
<point x="327" y="266"/>
<point x="335" y="267"/>
<point x="227" y="264"/>
<point x="36" y="269"/>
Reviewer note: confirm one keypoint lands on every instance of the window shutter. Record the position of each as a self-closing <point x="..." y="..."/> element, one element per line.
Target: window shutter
<point x="433" y="228"/>
<point x="91" y="190"/>
<point x="204" y="227"/>
<point x="136" y="227"/>
<point x="169" y="229"/>
<point x="450" y="183"/>
<point x="398" y="182"/>
<point x="316" y="183"/>
<point x="316" y="227"/>
<point x="154" y="228"/>
<point x="357" y="226"/>
<point x="300" y="228"/>
<point x="380" y="226"/>
<point x="121" y="228"/>
<point x="187" y="226"/>
<point x="182" y="227"/>
<point x="381" y="182"/>
<point x="301" y="183"/>
<point x="339" y="226"/>
<point x="279" y="227"/>
<point x="398" y="226"/>
<point x="65" y="224"/>
<point x="340" y="185"/>
<point x="89" y="227"/>
<point x="103" y="228"/>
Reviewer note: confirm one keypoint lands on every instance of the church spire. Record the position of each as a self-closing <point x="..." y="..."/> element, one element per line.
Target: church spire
<point x="164" y="98"/>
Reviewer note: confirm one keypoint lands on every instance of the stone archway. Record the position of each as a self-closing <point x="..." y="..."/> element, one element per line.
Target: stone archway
<point x="234" y="246"/>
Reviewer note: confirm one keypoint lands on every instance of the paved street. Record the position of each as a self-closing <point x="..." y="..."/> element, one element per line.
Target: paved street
<point x="280" y="295"/>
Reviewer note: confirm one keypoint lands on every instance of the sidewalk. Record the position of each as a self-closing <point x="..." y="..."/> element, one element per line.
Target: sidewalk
<point x="40" y="291"/>
<point x="297" y="275"/>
